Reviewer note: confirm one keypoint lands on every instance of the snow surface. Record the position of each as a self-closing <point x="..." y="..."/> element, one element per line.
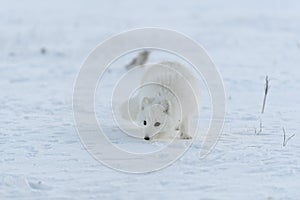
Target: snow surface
<point x="43" y="44"/>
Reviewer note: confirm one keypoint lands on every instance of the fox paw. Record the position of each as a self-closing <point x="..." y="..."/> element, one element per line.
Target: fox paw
<point x="185" y="136"/>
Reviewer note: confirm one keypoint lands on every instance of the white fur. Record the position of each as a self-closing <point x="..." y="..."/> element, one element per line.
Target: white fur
<point x="167" y="101"/>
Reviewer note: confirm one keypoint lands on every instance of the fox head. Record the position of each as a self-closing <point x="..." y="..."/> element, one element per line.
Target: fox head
<point x="153" y="116"/>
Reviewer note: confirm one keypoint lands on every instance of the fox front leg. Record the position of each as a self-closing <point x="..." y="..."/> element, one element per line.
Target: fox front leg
<point x="184" y="128"/>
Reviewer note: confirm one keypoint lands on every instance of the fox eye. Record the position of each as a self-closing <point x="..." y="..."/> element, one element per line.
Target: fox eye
<point x="145" y="122"/>
<point x="156" y="124"/>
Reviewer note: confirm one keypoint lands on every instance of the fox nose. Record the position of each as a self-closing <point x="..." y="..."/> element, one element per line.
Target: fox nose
<point x="156" y="124"/>
<point x="146" y="138"/>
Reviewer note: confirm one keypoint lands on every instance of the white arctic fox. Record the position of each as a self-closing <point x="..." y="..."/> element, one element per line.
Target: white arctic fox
<point x="167" y="100"/>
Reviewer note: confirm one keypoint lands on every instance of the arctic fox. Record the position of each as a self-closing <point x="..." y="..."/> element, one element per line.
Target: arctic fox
<point x="167" y="100"/>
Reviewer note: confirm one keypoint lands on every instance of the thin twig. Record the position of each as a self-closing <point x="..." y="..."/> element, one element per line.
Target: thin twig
<point x="266" y="93"/>
<point x="260" y="126"/>
<point x="285" y="141"/>
<point x="283" y="137"/>
<point x="257" y="132"/>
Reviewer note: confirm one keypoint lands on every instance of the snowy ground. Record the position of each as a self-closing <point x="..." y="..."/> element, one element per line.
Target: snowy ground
<point x="42" y="47"/>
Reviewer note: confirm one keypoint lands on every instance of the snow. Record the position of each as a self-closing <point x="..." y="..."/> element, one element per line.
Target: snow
<point x="43" y="44"/>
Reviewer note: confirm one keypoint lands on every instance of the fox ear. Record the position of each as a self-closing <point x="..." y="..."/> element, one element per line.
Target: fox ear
<point x="146" y="101"/>
<point x="166" y="105"/>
